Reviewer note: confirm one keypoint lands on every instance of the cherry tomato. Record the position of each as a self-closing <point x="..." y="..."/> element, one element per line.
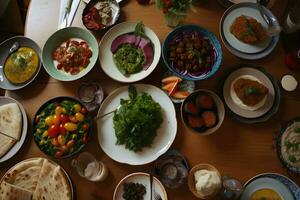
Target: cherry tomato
<point x="58" y="154"/>
<point x="64" y="118"/>
<point x="53" y="131"/>
<point x="49" y="120"/>
<point x="61" y="139"/>
<point x="58" y="110"/>
<point x="64" y="148"/>
<point x="77" y="107"/>
<point x="70" y="143"/>
<point x="69" y="126"/>
<point x="62" y="129"/>
<point x="72" y="118"/>
<point x="85" y="138"/>
<point x="56" y="119"/>
<point x="85" y="127"/>
<point x="54" y="142"/>
<point x="79" y="117"/>
<point x="83" y="110"/>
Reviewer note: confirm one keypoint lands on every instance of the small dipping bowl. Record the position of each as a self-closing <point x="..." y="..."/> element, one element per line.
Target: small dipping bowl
<point x="91" y="95"/>
<point x="172" y="169"/>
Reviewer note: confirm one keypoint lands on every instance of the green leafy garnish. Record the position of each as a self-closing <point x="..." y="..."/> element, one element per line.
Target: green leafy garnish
<point x="137" y="120"/>
<point x="297" y="130"/>
<point x="139" y="30"/>
<point x="252" y="91"/>
<point x="292" y="158"/>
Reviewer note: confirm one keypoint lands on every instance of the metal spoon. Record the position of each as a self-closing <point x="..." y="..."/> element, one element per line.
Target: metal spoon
<point x="273" y="30"/>
<point x="12" y="49"/>
<point x="101" y="116"/>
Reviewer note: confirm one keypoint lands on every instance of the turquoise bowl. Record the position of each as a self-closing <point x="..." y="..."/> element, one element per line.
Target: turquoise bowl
<point x="203" y="33"/>
<point x="56" y="40"/>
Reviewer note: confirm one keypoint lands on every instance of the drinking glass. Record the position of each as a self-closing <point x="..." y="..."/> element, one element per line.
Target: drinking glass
<point x="88" y="167"/>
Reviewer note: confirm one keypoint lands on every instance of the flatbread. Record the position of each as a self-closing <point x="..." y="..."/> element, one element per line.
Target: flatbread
<point x="12" y="192"/>
<point x="11" y="120"/>
<point x="24" y="174"/>
<point x="5" y="144"/>
<point x="52" y="184"/>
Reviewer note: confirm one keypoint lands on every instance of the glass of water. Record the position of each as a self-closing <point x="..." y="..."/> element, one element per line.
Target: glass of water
<point x="88" y="167"/>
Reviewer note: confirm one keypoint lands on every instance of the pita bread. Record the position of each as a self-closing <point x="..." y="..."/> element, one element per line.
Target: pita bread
<point x="11" y="120"/>
<point x="12" y="192"/>
<point x="5" y="144"/>
<point x="25" y="174"/>
<point x="52" y="184"/>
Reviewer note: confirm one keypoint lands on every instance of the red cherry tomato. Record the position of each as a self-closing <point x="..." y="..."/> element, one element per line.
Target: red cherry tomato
<point x="53" y="131"/>
<point x="85" y="127"/>
<point x="58" y="154"/>
<point x="64" y="118"/>
<point x="62" y="129"/>
<point x="70" y="143"/>
<point x="56" y="119"/>
<point x="73" y="118"/>
<point x="64" y="148"/>
<point x="83" y="110"/>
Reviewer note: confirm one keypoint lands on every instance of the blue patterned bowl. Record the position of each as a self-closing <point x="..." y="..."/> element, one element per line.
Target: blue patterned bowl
<point x="204" y="33"/>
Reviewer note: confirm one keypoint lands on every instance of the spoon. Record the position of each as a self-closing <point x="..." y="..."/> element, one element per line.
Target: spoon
<point x="151" y="181"/>
<point x="101" y="116"/>
<point x="273" y="30"/>
<point x="12" y="49"/>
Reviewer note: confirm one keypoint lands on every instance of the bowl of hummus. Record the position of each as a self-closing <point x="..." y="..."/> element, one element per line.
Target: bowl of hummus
<point x="288" y="145"/>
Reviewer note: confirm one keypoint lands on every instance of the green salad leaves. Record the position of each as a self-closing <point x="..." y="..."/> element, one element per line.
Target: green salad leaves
<point x="137" y="120"/>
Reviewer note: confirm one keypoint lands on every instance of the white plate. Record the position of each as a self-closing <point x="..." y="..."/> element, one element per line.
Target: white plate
<point x="238" y="48"/>
<point x="33" y="159"/>
<point x="106" y="56"/>
<point x="144" y="179"/>
<point x="6" y="100"/>
<point x="267" y="183"/>
<point x="262" y="78"/>
<point x="237" y="44"/>
<point x="165" y="134"/>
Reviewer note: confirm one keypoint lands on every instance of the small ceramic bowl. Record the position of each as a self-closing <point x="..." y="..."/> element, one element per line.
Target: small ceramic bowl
<point x="204" y="33"/>
<point x="115" y="13"/>
<point x="218" y="109"/>
<point x="4" y="53"/>
<point x="56" y="39"/>
<point x="192" y="184"/>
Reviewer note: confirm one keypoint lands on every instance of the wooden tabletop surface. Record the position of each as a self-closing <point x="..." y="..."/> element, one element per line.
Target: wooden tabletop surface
<point x="236" y="150"/>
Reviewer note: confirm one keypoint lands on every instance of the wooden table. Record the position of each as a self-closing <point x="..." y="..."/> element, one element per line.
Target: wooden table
<point x="237" y="150"/>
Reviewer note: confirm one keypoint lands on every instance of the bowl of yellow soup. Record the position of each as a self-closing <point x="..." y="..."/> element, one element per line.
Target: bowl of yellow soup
<point x="19" y="68"/>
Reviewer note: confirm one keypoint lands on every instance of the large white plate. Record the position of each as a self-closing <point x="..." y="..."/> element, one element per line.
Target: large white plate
<point x="165" y="134"/>
<point x="267" y="183"/>
<point x="106" y="56"/>
<point x="142" y="178"/>
<point x="19" y="143"/>
<point x="33" y="159"/>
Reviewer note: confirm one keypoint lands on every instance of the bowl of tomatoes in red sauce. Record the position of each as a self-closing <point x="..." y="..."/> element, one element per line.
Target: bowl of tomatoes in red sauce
<point x="62" y="127"/>
<point x="70" y="53"/>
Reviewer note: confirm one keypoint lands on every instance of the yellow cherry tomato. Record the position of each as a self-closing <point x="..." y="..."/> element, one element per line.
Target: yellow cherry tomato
<point x="61" y="139"/>
<point x="49" y="120"/>
<point x="79" y="117"/>
<point x="69" y="126"/>
<point x="45" y="134"/>
<point x="58" y="110"/>
<point x="77" y="107"/>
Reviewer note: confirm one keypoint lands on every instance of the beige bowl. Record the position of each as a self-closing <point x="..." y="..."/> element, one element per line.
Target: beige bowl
<point x="192" y="184"/>
<point x="220" y="107"/>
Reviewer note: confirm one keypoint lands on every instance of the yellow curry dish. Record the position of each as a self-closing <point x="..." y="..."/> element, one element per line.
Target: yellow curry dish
<point x="265" y="194"/>
<point x="21" y="65"/>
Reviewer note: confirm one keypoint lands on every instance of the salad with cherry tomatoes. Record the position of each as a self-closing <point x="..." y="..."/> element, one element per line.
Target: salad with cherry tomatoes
<point x="62" y="128"/>
<point x="72" y="56"/>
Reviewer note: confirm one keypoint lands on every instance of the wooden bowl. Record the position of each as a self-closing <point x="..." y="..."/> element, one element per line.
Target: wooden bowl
<point x="192" y="184"/>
